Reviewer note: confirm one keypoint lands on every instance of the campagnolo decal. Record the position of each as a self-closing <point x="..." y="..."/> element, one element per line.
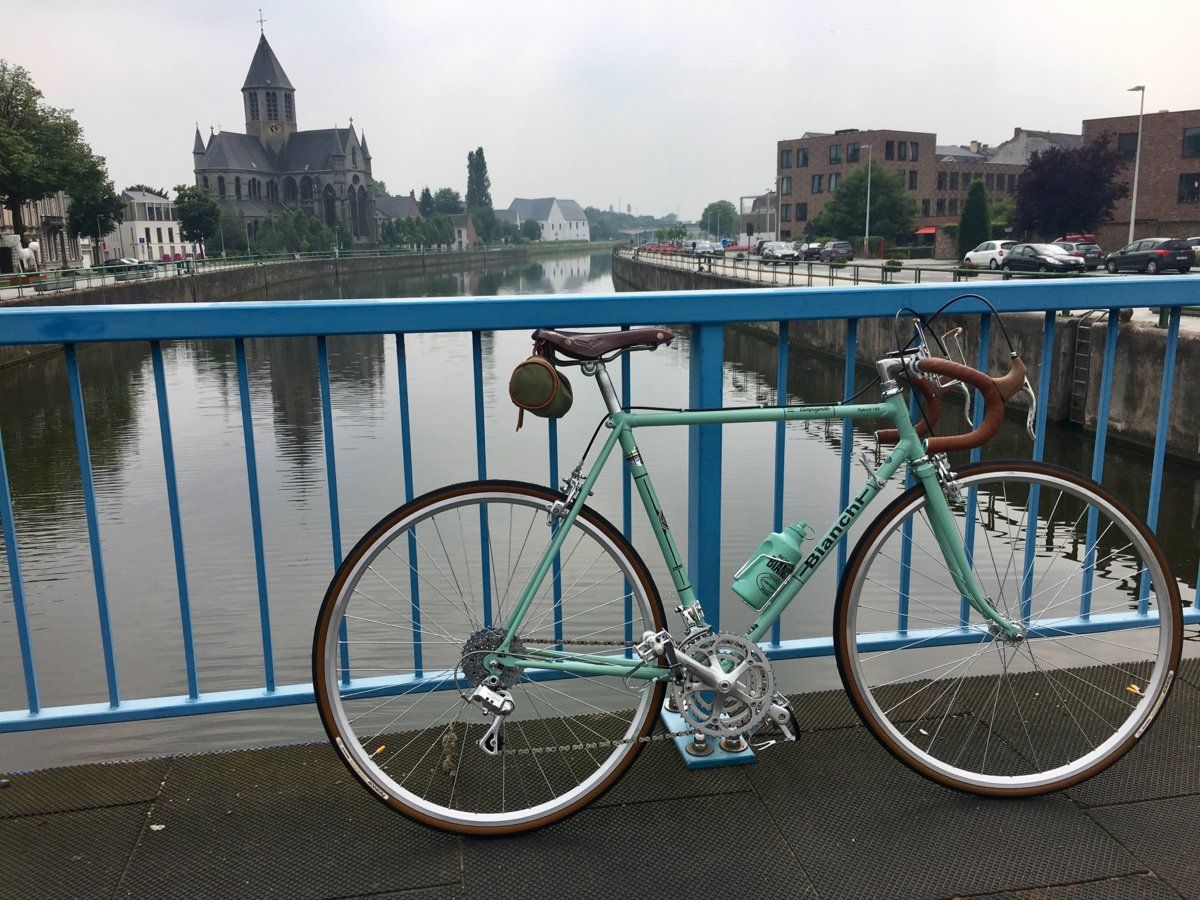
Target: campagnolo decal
<point x="634" y="458"/>
<point x="838" y="530"/>
<point x="359" y="772"/>
<point x="1157" y="704"/>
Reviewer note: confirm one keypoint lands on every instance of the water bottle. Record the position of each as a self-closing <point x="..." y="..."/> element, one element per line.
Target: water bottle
<point x="758" y="580"/>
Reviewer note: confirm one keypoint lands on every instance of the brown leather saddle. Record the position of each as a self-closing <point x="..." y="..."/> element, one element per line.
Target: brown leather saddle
<point x="589" y="345"/>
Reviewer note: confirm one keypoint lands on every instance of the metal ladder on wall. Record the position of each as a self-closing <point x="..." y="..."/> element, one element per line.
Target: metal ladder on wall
<point x="1081" y="366"/>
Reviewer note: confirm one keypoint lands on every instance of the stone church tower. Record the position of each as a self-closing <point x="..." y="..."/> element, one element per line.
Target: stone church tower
<point x="274" y="168"/>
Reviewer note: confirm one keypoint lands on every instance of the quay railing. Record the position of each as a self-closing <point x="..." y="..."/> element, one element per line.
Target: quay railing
<point x="706" y="313"/>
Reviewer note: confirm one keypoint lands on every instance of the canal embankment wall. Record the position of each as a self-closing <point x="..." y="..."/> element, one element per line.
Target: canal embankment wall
<point x="253" y="281"/>
<point x="1141" y="348"/>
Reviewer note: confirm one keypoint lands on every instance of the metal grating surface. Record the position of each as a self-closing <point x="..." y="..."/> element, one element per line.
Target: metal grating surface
<point x="1161" y="834"/>
<point x="868" y="827"/>
<point x="72" y="854"/>
<point x="81" y="787"/>
<point x="1131" y="887"/>
<point x="642" y="851"/>
<point x="289" y="821"/>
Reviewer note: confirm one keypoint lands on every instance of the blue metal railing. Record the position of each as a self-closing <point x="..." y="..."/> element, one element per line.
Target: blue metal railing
<point x="705" y="312"/>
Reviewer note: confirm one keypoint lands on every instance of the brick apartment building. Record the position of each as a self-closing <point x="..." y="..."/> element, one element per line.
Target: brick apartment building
<point x="809" y="169"/>
<point x="1168" y="202"/>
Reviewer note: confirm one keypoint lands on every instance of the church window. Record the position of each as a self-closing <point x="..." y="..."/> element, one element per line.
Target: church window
<point x="306" y="188"/>
<point x="289" y="111"/>
<point x="237" y="187"/>
<point x="354" y="157"/>
<point x="221" y="186"/>
<point x="272" y="106"/>
<point x="204" y="182"/>
<point x="254" y="107"/>
<point x="272" y="191"/>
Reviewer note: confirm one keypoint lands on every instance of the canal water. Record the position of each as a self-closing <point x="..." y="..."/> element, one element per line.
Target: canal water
<point x="35" y="421"/>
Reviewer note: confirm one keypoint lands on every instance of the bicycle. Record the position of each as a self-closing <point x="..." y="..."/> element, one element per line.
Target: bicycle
<point x="511" y="655"/>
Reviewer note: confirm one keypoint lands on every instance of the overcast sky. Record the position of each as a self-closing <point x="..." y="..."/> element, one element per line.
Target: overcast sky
<point x="665" y="106"/>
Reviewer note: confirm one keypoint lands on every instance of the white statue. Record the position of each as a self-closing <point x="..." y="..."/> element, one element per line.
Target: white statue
<point x="29" y="256"/>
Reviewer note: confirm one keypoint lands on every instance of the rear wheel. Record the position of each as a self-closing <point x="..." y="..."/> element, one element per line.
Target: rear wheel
<point x="408" y="621"/>
<point x="1152" y="267"/>
<point x="1111" y="267"/>
<point x="992" y="264"/>
<point x="978" y="712"/>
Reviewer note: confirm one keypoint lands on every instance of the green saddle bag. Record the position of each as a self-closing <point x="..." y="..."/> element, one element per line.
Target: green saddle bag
<point x="538" y="387"/>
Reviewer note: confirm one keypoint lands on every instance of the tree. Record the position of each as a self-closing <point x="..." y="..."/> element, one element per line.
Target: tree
<point x="425" y="202"/>
<point x="159" y="192"/>
<point x="974" y="225"/>
<point x="42" y="150"/>
<point x="479" y="186"/>
<point x="293" y="233"/>
<point x="531" y="230"/>
<point x="232" y="232"/>
<point x="96" y="209"/>
<point x="379" y="188"/>
<point x="1065" y="190"/>
<point x="719" y="217"/>
<point x="198" y="214"/>
<point x="447" y="201"/>
<point x="892" y="209"/>
<point x="487" y="226"/>
<point x="1002" y="210"/>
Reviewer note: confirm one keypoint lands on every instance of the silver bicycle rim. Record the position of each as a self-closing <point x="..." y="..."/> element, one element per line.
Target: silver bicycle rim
<point x="360" y="752"/>
<point x="955" y="675"/>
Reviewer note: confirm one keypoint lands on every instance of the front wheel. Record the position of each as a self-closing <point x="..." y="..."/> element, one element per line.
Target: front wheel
<point x="403" y="637"/>
<point x="992" y="264"/>
<point x="1152" y="267"/>
<point x="959" y="703"/>
<point x="1110" y="267"/>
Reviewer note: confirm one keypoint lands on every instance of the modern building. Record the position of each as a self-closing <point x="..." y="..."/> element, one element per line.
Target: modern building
<point x="275" y="168"/>
<point x="149" y="231"/>
<point x="561" y="219"/>
<point x="809" y="169"/>
<point x="1168" y="198"/>
<point x="44" y="221"/>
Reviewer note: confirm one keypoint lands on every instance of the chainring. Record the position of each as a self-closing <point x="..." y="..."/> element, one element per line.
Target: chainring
<point x="743" y="708"/>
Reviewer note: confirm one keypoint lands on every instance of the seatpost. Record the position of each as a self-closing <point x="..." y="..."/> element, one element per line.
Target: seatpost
<point x="606" y="386"/>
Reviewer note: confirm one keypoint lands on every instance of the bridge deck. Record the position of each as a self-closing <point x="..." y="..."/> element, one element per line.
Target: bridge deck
<point x="832" y="816"/>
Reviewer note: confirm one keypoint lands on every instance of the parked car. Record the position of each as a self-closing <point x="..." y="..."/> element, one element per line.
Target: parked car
<point x="989" y="253"/>
<point x="1088" y="251"/>
<point x="707" y="248"/>
<point x="836" y="250"/>
<point x="1194" y="243"/>
<point x="1152" y="255"/>
<point x="120" y="265"/>
<point x="809" y="251"/>
<point x="776" y="252"/>
<point x="1042" y="258"/>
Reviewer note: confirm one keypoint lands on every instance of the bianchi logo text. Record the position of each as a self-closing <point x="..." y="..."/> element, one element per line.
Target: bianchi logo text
<point x="843" y="522"/>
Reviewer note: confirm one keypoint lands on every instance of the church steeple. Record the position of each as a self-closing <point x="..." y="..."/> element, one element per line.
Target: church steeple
<point x="268" y="97"/>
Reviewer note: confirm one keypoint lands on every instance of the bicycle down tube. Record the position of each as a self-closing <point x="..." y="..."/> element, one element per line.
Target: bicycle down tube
<point x="621" y="424"/>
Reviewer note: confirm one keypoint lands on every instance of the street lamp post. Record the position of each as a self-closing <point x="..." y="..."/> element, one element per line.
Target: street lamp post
<point x="867" y="226"/>
<point x="1137" y="159"/>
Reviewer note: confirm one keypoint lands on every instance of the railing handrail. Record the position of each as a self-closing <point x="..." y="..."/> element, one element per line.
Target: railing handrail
<point x="290" y="318"/>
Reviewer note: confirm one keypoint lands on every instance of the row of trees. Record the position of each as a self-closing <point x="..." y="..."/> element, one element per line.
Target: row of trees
<point x="435" y="230"/>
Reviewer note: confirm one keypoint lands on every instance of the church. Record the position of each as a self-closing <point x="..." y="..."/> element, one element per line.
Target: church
<point x="276" y="168"/>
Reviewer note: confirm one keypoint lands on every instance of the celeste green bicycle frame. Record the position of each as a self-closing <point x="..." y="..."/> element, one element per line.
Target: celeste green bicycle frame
<point x="621" y="424"/>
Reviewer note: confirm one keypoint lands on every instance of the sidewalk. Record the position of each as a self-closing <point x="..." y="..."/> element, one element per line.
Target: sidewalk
<point x="831" y="816"/>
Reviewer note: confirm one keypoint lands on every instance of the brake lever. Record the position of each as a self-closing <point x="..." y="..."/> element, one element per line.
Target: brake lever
<point x="1031" y="413"/>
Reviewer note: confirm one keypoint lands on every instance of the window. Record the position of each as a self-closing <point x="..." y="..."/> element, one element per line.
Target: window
<point x="954" y="206"/>
<point x="237" y="187"/>
<point x="852" y="152"/>
<point x="785" y="212"/>
<point x="254" y="107"/>
<point x="1012" y="183"/>
<point x="925" y="207"/>
<point x="221" y="186"/>
<point x="817" y="185"/>
<point x="801" y="212"/>
<point x="954" y="181"/>
<point x="912" y="151"/>
<point x="902" y="151"/>
<point x="158" y="232"/>
<point x="941" y="181"/>
<point x="272" y="106"/>
<point x="785" y="158"/>
<point x="801" y="157"/>
<point x="170" y="235"/>
<point x="147" y="237"/>
<point x="204" y="182"/>
<point x="1189" y="187"/>
<point x="941" y="206"/>
<point x="835" y="154"/>
<point x="272" y="191"/>
<point x="289" y="111"/>
<point x="1191" y="142"/>
<point x="990" y="181"/>
<point x="354" y="157"/>
<point x="834" y="178"/>
<point x="1127" y="144"/>
<point x="912" y="179"/>
<point x="785" y="185"/>
<point x="889" y="150"/>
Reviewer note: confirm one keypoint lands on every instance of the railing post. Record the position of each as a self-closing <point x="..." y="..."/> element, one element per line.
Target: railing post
<point x="706" y="376"/>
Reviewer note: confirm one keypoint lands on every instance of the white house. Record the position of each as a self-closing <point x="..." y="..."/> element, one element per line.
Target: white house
<point x="561" y="220"/>
<point x="150" y="231"/>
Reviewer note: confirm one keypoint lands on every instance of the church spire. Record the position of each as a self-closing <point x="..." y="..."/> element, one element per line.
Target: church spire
<point x="363" y="141"/>
<point x="265" y="70"/>
<point x="198" y="144"/>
